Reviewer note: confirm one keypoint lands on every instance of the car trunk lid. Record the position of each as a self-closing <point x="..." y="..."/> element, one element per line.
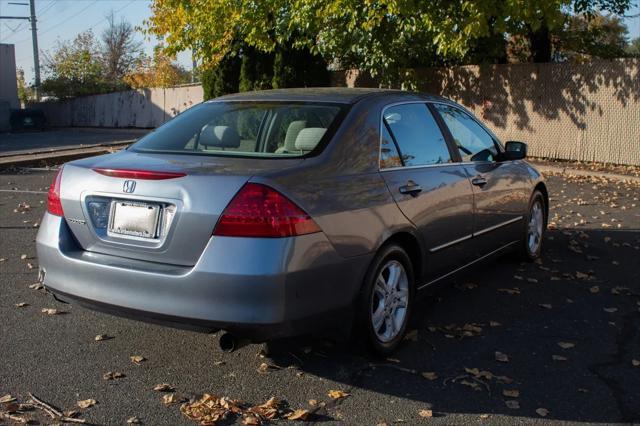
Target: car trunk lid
<point x="154" y="207"/>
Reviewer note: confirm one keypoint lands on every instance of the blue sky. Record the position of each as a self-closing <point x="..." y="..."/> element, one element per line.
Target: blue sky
<point x="63" y="19"/>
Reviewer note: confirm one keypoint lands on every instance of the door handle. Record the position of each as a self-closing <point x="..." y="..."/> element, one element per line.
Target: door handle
<point x="410" y="188"/>
<point x="479" y="181"/>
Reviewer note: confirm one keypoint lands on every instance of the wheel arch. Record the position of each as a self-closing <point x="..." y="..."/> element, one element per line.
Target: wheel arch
<point x="410" y="243"/>
<point x="540" y="186"/>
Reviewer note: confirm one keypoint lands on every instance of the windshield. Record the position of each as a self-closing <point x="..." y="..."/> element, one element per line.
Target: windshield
<point x="262" y="129"/>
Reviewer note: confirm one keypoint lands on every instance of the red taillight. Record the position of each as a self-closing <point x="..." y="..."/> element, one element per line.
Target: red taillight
<point x="139" y="174"/>
<point x="54" y="206"/>
<point x="260" y="211"/>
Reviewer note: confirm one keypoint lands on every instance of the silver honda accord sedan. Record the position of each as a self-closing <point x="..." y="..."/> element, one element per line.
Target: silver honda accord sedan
<point x="278" y="213"/>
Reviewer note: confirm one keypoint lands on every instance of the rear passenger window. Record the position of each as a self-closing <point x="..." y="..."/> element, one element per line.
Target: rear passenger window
<point x="473" y="142"/>
<point x="418" y="137"/>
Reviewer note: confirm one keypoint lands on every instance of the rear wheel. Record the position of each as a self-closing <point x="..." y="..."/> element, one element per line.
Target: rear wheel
<point x="385" y="303"/>
<point x="531" y="244"/>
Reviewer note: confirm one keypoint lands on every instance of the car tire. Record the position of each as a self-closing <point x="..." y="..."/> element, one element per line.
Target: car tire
<point x="535" y="225"/>
<point x="386" y="299"/>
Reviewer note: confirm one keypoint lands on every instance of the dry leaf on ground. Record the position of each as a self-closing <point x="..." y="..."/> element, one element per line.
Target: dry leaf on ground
<point x="513" y="404"/>
<point x="36" y="286"/>
<point x="265" y="368"/>
<point x="511" y="393"/>
<point x="6" y="398"/>
<point x="112" y="375"/>
<point x="566" y="345"/>
<point x="163" y="387"/>
<point x="425" y="413"/>
<point x="21" y="305"/>
<point x="542" y="412"/>
<point x="299" y="414"/>
<point x="429" y="375"/>
<point x="500" y="357"/>
<point x="86" y="403"/>
<point x="137" y="359"/>
<point x="171" y="398"/>
<point x="134" y="421"/>
<point x="610" y="310"/>
<point x="337" y="394"/>
<point x="558" y="358"/>
<point x="635" y="362"/>
<point x="101" y="337"/>
<point x="51" y="311"/>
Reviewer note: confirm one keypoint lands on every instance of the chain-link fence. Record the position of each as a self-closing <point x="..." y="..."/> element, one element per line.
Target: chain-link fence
<point x="586" y="112"/>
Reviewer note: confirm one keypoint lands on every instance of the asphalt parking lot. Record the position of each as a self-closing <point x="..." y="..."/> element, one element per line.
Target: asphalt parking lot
<point x="552" y="341"/>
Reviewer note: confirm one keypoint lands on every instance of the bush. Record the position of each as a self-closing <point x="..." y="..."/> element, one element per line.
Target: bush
<point x="222" y="79"/>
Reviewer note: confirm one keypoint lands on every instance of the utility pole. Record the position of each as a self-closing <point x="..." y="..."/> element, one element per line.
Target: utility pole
<point x="34" y="38"/>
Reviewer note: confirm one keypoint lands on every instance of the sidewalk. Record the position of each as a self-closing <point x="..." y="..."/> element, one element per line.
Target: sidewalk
<point x="568" y="168"/>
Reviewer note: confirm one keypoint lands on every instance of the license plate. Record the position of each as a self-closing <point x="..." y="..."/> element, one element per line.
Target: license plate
<point x="134" y="219"/>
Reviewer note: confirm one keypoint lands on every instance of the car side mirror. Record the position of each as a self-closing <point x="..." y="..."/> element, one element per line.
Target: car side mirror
<point x="514" y="150"/>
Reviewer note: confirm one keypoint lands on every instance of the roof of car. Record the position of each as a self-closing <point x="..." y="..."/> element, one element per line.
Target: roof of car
<point x="344" y="95"/>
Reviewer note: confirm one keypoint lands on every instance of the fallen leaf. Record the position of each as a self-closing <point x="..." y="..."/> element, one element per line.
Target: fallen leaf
<point x="299" y="414"/>
<point x="511" y="393"/>
<point x="51" y="311"/>
<point x="494" y="324"/>
<point x="558" y="358"/>
<point x="511" y="291"/>
<point x="484" y="416"/>
<point x="610" y="310"/>
<point x="163" y="387"/>
<point x="86" y="403"/>
<point x="566" y="345"/>
<point x="412" y="336"/>
<point x="171" y="398"/>
<point x="36" y="286"/>
<point x="545" y="305"/>
<point x="594" y="289"/>
<point x="635" y="362"/>
<point x="313" y="402"/>
<point x="101" y="337"/>
<point x="112" y="375"/>
<point x="542" y="412"/>
<point x="429" y="375"/>
<point x="23" y="256"/>
<point x="21" y="305"/>
<point x="6" y="398"/>
<point x="265" y="368"/>
<point x="513" y="404"/>
<point x="582" y="275"/>
<point x="425" y="413"/>
<point x="500" y="357"/>
<point x="337" y="394"/>
<point x="134" y="421"/>
<point x="138" y="359"/>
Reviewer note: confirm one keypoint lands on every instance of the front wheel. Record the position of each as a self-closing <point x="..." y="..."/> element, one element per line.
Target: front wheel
<point x="385" y="302"/>
<point x="536" y="222"/>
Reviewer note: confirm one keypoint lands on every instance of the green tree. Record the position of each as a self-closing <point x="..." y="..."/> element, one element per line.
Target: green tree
<point x="633" y="48"/>
<point x="25" y="93"/>
<point x="75" y="68"/>
<point x="380" y="37"/>
<point x="584" y="37"/>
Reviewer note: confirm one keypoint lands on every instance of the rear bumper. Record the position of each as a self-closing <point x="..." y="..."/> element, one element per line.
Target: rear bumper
<point x="257" y="288"/>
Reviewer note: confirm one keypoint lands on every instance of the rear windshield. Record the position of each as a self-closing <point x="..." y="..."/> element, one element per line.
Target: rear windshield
<point x="274" y="129"/>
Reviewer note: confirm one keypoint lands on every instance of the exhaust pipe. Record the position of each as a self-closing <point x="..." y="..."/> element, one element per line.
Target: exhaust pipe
<point x="229" y="343"/>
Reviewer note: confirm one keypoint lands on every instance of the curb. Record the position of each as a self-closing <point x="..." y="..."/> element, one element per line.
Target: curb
<point x="44" y="156"/>
<point x="544" y="169"/>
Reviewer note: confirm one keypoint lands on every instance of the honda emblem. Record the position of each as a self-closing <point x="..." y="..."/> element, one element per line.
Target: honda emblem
<point x="129" y="186"/>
